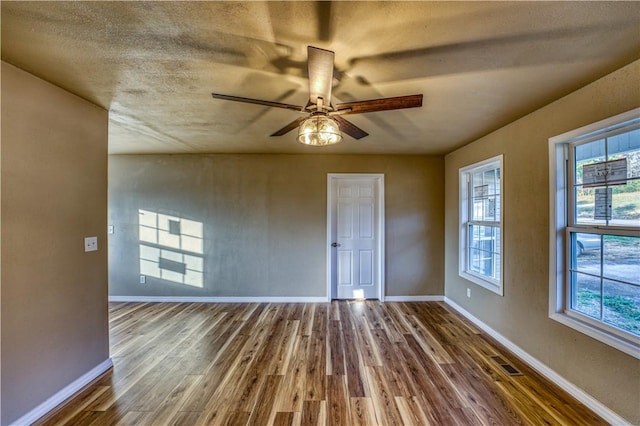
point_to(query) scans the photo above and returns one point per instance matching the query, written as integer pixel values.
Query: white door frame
(378, 179)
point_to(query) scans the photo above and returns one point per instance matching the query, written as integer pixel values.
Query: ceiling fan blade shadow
(350, 88)
(320, 65)
(289, 127)
(323, 10)
(518, 50)
(297, 108)
(382, 104)
(350, 128)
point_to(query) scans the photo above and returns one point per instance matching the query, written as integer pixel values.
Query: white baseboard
(238, 299)
(414, 298)
(222, 299)
(599, 408)
(64, 394)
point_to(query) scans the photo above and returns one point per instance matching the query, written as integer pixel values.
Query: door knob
(335, 245)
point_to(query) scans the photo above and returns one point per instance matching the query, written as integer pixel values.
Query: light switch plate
(110, 229)
(91, 243)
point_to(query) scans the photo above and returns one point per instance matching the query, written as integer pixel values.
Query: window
(481, 224)
(595, 230)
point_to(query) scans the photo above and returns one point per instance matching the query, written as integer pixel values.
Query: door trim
(378, 179)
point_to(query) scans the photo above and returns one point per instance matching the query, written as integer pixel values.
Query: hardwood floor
(344, 363)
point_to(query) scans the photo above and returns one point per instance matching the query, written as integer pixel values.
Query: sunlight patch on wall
(171, 248)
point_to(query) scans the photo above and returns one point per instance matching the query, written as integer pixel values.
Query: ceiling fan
(323, 122)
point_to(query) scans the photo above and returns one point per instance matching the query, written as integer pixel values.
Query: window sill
(618, 343)
(489, 285)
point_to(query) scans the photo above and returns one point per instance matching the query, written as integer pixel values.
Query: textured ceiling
(153, 65)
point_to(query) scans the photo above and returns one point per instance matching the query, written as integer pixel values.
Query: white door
(356, 236)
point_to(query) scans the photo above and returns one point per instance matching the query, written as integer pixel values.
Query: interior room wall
(54, 193)
(264, 221)
(521, 315)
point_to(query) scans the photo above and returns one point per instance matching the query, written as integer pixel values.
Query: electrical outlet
(91, 243)
(469, 293)
(143, 279)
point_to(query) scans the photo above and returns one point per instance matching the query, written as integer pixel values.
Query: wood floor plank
(321, 364)
(386, 410)
(283, 418)
(320, 317)
(134, 418)
(411, 412)
(392, 327)
(144, 362)
(171, 404)
(237, 418)
(306, 321)
(205, 333)
(337, 400)
(315, 378)
(394, 373)
(263, 412)
(311, 413)
(353, 364)
(215, 375)
(368, 351)
(396, 315)
(284, 352)
(336, 349)
(428, 378)
(362, 412)
(185, 418)
(293, 387)
(73, 407)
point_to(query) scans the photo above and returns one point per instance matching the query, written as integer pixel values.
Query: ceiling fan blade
(383, 104)
(258, 102)
(350, 128)
(320, 65)
(289, 127)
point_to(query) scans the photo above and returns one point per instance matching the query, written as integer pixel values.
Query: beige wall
(265, 218)
(521, 315)
(54, 193)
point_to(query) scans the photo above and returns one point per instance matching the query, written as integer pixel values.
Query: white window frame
(490, 284)
(559, 244)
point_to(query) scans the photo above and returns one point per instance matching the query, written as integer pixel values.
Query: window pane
(626, 145)
(585, 294)
(484, 243)
(622, 258)
(486, 195)
(625, 203)
(487, 209)
(474, 261)
(622, 306)
(478, 209)
(588, 153)
(585, 207)
(587, 251)
(625, 197)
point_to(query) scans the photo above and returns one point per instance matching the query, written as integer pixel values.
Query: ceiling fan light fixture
(319, 130)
